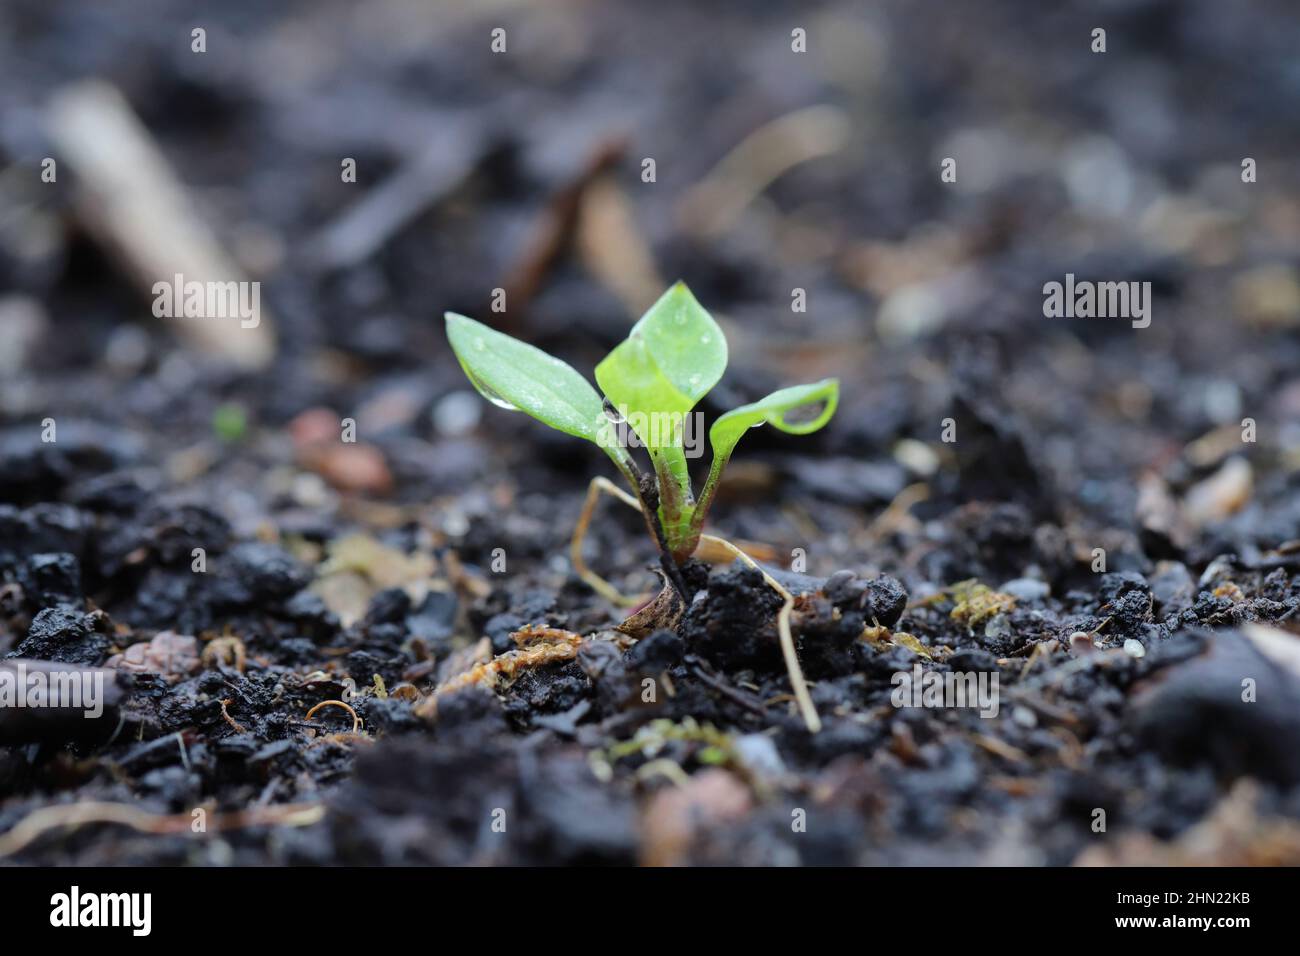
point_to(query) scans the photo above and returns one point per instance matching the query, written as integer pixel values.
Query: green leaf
(636, 385)
(515, 375)
(775, 409)
(726, 431)
(670, 360)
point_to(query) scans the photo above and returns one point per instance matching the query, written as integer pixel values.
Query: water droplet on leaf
(489, 393)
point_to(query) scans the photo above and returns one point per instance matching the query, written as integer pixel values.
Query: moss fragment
(976, 603)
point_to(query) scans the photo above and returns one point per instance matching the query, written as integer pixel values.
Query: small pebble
(917, 457)
(1026, 590)
(759, 756)
(998, 626)
(127, 351)
(455, 524)
(22, 324)
(457, 413)
(309, 490)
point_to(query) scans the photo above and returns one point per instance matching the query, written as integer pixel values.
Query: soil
(1134, 543)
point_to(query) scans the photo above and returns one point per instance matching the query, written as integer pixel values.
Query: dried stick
(39, 822)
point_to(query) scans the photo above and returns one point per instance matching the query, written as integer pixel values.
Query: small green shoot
(651, 381)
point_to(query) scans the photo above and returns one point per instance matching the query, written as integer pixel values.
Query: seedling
(651, 381)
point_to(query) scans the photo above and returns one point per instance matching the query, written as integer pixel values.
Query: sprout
(651, 381)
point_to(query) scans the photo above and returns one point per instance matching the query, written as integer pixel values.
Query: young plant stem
(707, 493)
(676, 500)
(648, 492)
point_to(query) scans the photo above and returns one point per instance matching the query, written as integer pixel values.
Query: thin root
(236, 725)
(356, 721)
(707, 551)
(589, 577)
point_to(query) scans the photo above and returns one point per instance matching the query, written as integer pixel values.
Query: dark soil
(371, 573)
